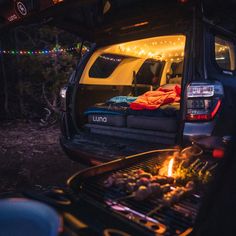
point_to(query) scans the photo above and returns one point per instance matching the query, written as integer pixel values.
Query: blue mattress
(119, 115)
(108, 115)
(109, 109)
(116, 112)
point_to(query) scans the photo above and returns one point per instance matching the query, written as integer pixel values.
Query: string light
(168, 47)
(110, 58)
(41, 52)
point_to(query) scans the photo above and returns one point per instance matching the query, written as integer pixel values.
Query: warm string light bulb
(172, 49)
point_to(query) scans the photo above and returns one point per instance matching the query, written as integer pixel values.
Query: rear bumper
(203, 134)
(194, 130)
(76, 154)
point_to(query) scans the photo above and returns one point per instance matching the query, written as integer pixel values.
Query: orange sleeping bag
(154, 99)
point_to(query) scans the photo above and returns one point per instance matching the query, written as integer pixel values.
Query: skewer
(124, 197)
(155, 210)
(213, 167)
(192, 154)
(200, 172)
(196, 167)
(194, 164)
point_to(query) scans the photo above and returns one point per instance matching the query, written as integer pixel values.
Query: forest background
(30, 75)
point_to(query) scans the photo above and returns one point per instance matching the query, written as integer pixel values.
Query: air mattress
(107, 115)
(164, 124)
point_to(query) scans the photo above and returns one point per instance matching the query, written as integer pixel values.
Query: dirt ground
(31, 155)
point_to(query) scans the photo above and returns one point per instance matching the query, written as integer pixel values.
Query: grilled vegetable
(176, 194)
(155, 188)
(146, 175)
(130, 187)
(143, 181)
(138, 171)
(142, 193)
(165, 188)
(109, 182)
(198, 171)
(161, 179)
(131, 179)
(120, 183)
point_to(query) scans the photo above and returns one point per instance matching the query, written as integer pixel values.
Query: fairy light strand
(41, 52)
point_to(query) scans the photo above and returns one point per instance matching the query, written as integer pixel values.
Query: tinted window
(150, 72)
(105, 65)
(224, 53)
(177, 69)
(176, 73)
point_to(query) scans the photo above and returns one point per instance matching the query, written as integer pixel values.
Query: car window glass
(224, 53)
(104, 65)
(150, 72)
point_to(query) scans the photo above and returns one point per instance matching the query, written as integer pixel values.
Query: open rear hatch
(95, 20)
(99, 20)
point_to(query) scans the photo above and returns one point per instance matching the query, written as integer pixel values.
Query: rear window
(224, 53)
(104, 65)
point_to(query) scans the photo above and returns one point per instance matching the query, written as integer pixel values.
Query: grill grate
(177, 218)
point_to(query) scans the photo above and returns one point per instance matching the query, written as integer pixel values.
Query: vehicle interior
(133, 90)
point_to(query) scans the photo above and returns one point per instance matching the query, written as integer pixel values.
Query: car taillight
(218, 153)
(200, 91)
(203, 101)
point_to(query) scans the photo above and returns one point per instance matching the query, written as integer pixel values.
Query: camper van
(157, 75)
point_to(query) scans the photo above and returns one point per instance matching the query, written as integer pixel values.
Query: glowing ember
(170, 168)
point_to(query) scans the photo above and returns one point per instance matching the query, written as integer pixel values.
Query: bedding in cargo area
(116, 112)
(154, 123)
(169, 110)
(106, 119)
(152, 100)
(104, 114)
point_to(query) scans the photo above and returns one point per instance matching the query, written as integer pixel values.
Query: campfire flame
(170, 167)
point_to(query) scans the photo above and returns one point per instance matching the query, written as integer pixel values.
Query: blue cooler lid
(23, 217)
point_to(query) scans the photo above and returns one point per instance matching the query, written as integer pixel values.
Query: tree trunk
(19, 79)
(55, 99)
(52, 106)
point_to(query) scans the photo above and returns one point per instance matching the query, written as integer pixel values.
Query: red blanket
(154, 99)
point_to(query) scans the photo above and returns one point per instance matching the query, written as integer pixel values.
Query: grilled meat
(176, 194)
(161, 179)
(142, 193)
(141, 185)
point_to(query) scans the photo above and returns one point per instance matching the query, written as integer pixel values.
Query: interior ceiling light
(160, 48)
